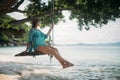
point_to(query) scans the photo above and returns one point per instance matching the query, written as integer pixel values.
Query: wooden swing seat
(35, 53)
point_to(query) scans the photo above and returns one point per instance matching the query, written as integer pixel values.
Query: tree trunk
(6, 5)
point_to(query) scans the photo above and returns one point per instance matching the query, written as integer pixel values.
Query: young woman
(36, 41)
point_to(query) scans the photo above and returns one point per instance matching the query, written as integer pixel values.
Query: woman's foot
(67, 64)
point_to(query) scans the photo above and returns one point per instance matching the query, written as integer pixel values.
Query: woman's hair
(34, 22)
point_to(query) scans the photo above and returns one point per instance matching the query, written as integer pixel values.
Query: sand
(9, 77)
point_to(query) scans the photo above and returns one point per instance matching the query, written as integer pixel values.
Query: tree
(9, 33)
(87, 12)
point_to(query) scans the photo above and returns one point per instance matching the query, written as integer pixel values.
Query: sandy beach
(8, 77)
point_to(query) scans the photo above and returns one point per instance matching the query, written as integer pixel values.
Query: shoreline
(8, 77)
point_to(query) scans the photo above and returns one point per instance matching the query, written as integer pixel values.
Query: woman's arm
(49, 30)
(27, 46)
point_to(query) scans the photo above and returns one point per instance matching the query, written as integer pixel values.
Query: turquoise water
(91, 63)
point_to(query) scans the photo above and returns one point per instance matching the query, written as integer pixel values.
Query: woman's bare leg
(53, 51)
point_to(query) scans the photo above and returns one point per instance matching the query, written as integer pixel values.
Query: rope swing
(51, 38)
(53, 21)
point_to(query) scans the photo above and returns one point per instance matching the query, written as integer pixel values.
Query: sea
(90, 63)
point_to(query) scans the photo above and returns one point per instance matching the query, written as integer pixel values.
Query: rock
(10, 44)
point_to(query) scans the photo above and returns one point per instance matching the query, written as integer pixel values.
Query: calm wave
(91, 63)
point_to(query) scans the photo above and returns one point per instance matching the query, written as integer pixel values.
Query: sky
(68, 32)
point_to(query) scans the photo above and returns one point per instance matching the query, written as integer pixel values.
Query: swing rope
(53, 21)
(51, 38)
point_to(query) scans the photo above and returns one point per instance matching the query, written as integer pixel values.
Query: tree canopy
(87, 12)
(9, 33)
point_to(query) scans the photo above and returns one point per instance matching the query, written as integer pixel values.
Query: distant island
(101, 44)
(95, 44)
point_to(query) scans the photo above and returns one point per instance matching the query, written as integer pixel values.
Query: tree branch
(21, 11)
(18, 22)
(5, 6)
(15, 8)
(18, 4)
